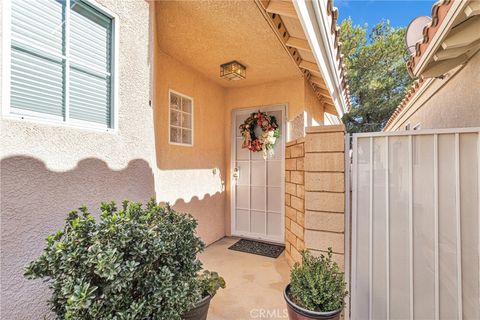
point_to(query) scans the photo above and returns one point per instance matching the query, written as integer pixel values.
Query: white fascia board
(315, 22)
(331, 119)
(441, 34)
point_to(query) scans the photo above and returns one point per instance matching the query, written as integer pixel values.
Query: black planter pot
(199, 311)
(295, 312)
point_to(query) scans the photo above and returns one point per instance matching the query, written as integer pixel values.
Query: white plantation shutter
(42, 51)
(90, 56)
(36, 58)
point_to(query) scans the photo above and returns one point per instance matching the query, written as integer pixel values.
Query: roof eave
(434, 34)
(314, 19)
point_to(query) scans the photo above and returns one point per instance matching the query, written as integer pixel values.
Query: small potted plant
(208, 284)
(317, 289)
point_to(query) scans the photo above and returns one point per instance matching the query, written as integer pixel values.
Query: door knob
(236, 173)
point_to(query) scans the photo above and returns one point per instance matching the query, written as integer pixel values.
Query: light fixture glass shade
(233, 70)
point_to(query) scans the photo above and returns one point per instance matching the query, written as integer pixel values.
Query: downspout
(314, 19)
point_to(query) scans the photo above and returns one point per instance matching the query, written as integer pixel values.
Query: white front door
(258, 188)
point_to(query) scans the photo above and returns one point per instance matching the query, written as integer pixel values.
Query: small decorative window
(181, 119)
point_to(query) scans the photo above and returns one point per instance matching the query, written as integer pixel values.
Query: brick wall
(315, 193)
(294, 200)
(325, 190)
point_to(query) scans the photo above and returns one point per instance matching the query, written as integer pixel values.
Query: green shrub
(317, 284)
(134, 263)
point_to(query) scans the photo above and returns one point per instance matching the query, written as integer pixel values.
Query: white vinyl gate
(415, 225)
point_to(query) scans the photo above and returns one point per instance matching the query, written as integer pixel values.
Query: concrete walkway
(254, 283)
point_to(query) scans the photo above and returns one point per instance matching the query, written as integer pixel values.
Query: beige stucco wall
(453, 102)
(47, 170)
(187, 175)
(313, 107)
(282, 91)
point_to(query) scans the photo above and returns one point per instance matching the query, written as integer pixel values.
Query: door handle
(236, 173)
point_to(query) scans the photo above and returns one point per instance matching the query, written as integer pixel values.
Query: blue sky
(400, 13)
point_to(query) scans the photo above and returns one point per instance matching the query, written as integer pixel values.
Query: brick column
(325, 190)
(315, 193)
(294, 200)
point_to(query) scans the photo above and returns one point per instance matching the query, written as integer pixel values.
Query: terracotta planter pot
(199, 311)
(295, 312)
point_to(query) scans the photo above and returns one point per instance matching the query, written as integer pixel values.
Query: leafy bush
(134, 263)
(317, 284)
(209, 283)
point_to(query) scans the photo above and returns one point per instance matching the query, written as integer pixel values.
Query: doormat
(258, 248)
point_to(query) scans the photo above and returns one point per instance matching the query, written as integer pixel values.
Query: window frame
(66, 121)
(170, 91)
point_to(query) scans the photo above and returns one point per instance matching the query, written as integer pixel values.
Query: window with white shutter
(62, 61)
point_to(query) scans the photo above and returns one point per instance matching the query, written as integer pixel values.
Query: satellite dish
(415, 32)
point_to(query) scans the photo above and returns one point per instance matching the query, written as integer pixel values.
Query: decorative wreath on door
(260, 132)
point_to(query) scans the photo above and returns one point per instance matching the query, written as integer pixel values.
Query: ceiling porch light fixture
(233, 70)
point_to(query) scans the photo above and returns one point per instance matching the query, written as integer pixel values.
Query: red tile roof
(439, 11)
(410, 94)
(335, 30)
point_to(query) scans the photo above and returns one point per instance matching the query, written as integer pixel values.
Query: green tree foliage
(377, 73)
